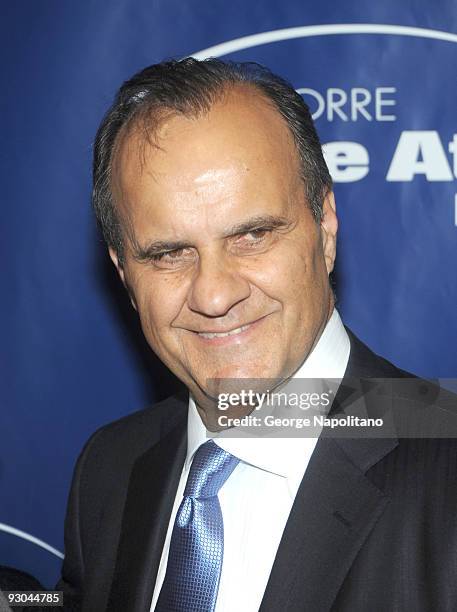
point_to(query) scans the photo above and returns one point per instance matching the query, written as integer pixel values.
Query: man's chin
(235, 382)
(210, 409)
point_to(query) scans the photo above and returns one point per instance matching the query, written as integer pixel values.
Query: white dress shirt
(257, 497)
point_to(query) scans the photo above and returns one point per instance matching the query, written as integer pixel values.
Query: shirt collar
(282, 456)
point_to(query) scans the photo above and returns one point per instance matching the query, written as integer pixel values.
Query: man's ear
(120, 270)
(117, 264)
(329, 228)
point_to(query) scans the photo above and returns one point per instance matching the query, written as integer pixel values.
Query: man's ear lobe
(329, 229)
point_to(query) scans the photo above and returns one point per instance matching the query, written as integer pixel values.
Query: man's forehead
(214, 170)
(242, 119)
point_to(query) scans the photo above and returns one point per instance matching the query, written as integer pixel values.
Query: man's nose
(216, 287)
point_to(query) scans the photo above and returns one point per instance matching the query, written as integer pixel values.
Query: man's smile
(233, 332)
(233, 335)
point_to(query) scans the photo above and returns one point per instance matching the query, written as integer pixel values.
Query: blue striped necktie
(197, 541)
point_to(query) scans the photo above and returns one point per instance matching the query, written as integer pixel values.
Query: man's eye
(255, 236)
(258, 234)
(170, 258)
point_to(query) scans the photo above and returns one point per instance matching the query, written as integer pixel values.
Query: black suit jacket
(373, 526)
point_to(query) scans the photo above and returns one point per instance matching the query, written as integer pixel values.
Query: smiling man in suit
(217, 208)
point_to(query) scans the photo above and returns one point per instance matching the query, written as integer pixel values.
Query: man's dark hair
(190, 87)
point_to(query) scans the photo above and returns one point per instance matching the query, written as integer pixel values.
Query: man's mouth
(232, 332)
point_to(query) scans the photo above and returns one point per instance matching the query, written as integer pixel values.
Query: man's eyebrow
(257, 222)
(144, 253)
(156, 247)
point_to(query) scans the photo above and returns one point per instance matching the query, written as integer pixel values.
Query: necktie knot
(211, 467)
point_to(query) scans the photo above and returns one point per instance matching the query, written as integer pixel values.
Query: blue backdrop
(381, 81)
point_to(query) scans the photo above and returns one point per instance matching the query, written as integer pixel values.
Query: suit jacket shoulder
(363, 362)
(98, 491)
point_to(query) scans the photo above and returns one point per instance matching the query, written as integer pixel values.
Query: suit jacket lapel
(335, 509)
(152, 489)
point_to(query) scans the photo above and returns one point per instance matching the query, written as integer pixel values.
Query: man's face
(224, 261)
